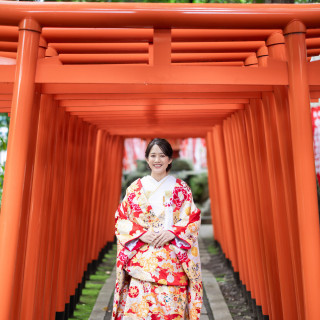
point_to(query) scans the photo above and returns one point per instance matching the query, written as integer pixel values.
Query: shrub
(181, 164)
(132, 176)
(199, 187)
(142, 166)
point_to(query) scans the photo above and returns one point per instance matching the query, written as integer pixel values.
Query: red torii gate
(81, 76)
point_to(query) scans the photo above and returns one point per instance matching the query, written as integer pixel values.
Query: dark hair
(165, 147)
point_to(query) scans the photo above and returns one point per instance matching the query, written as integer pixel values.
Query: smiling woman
(159, 157)
(158, 263)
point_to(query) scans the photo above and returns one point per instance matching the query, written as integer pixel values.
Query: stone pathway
(214, 305)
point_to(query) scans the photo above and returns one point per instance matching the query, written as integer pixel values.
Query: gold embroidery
(168, 193)
(163, 281)
(194, 251)
(150, 193)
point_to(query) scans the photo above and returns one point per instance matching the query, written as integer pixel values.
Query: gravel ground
(235, 300)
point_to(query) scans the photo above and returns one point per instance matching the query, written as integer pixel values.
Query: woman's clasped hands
(157, 239)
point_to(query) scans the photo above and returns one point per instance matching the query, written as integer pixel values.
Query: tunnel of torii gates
(78, 78)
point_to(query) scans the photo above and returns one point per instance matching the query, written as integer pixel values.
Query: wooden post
(62, 284)
(18, 144)
(304, 167)
(276, 46)
(224, 191)
(213, 196)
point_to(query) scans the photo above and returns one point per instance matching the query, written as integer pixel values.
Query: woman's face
(158, 161)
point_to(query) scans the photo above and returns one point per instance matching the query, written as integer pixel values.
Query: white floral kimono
(158, 283)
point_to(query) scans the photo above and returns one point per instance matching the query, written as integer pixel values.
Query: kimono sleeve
(186, 229)
(127, 231)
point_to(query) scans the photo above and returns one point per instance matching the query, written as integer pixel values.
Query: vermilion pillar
(246, 196)
(61, 281)
(47, 216)
(279, 210)
(38, 214)
(241, 209)
(215, 207)
(220, 227)
(24, 222)
(272, 304)
(210, 179)
(18, 144)
(89, 193)
(304, 168)
(234, 190)
(224, 192)
(263, 298)
(94, 202)
(113, 190)
(58, 193)
(276, 46)
(251, 199)
(59, 160)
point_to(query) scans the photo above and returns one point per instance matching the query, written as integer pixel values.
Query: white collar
(153, 180)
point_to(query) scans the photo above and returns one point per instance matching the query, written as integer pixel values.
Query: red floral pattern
(133, 292)
(180, 195)
(122, 258)
(183, 257)
(176, 263)
(134, 206)
(149, 301)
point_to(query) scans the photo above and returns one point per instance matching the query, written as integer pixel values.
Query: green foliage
(4, 128)
(94, 285)
(184, 175)
(130, 177)
(318, 194)
(199, 187)
(166, 1)
(142, 166)
(196, 1)
(181, 164)
(306, 1)
(220, 277)
(212, 249)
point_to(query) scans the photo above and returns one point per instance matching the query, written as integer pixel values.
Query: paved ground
(214, 306)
